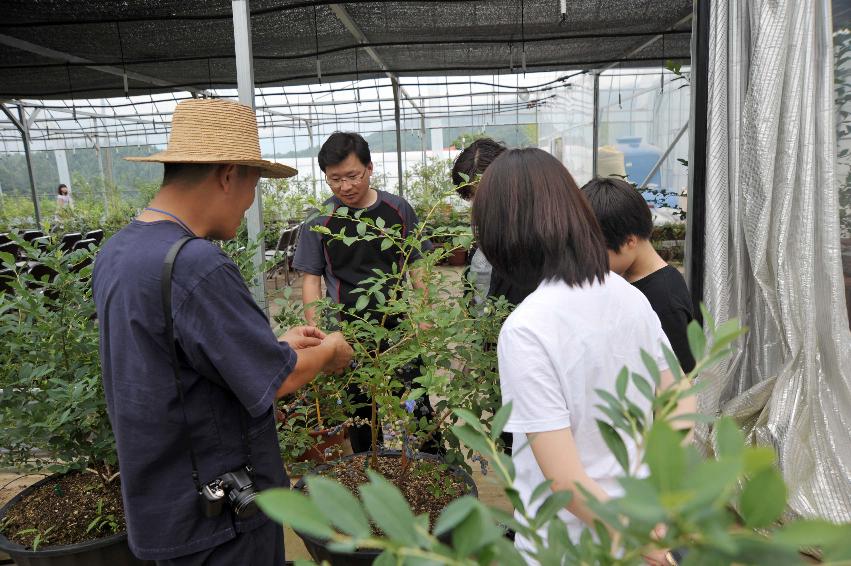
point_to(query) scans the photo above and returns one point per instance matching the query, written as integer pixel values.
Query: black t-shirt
(668, 295)
(345, 267)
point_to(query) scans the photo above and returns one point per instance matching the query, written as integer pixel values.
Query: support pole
(423, 137)
(25, 134)
(62, 166)
(245, 85)
(695, 252)
(398, 134)
(595, 135)
(663, 157)
(22, 124)
(313, 157)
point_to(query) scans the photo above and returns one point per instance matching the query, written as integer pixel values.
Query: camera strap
(165, 288)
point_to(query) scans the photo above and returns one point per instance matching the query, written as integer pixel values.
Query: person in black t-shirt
(346, 161)
(627, 224)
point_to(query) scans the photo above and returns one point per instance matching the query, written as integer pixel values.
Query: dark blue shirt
(231, 366)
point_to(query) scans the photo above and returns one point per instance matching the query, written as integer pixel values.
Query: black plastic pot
(109, 551)
(318, 548)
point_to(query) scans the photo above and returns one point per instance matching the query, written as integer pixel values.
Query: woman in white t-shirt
(572, 335)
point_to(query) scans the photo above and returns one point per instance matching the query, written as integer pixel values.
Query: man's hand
(300, 337)
(342, 355)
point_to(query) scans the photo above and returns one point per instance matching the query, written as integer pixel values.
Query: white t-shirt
(558, 346)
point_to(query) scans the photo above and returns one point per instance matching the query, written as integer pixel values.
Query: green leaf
(472, 438)
(665, 456)
(361, 228)
(361, 303)
(514, 497)
(730, 442)
(696, 340)
(379, 222)
(386, 558)
(615, 443)
(388, 509)
(834, 540)
(294, 509)
(540, 490)
(469, 418)
(673, 363)
(652, 367)
(337, 503)
(763, 499)
(475, 531)
(386, 243)
(499, 421)
(758, 458)
(640, 500)
(644, 386)
(621, 382)
(343, 211)
(554, 503)
(454, 513)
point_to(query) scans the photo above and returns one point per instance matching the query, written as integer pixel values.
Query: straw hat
(213, 130)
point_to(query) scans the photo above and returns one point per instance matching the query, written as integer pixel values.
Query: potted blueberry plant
(53, 415)
(438, 333)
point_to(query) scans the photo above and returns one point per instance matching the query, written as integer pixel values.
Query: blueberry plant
(52, 409)
(724, 509)
(415, 316)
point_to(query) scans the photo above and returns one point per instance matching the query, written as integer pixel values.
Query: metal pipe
(695, 251)
(595, 127)
(398, 135)
(664, 156)
(25, 134)
(245, 84)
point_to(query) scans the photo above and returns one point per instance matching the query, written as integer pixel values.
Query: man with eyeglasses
(346, 161)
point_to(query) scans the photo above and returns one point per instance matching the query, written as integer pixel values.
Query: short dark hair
(187, 172)
(339, 146)
(473, 161)
(59, 188)
(534, 224)
(620, 209)
(190, 173)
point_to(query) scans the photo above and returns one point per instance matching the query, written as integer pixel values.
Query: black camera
(237, 487)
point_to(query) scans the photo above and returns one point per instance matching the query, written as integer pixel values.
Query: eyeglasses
(351, 179)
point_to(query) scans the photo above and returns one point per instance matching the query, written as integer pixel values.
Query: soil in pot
(64, 511)
(428, 485)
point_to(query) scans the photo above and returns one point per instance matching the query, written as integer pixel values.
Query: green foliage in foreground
(692, 497)
(52, 409)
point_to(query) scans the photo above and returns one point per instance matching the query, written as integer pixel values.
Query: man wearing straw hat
(190, 387)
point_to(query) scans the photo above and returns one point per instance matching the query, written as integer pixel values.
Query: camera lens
(243, 503)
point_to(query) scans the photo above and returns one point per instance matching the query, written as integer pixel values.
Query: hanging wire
(123, 66)
(316, 38)
(523, 34)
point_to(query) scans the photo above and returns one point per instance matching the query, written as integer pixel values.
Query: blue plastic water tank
(639, 159)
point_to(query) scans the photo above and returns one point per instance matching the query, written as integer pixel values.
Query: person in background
(63, 197)
(347, 163)
(627, 225)
(472, 163)
(570, 337)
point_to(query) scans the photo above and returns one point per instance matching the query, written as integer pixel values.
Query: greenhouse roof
(67, 49)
